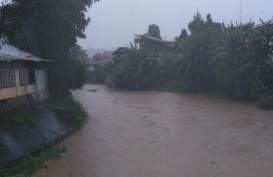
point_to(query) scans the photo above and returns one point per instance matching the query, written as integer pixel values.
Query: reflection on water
(158, 134)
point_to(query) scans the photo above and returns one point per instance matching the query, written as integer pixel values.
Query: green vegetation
(154, 31)
(265, 101)
(19, 116)
(233, 61)
(135, 70)
(70, 104)
(49, 29)
(31, 163)
(143, 68)
(175, 86)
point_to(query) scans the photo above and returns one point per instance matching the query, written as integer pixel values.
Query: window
(24, 76)
(7, 77)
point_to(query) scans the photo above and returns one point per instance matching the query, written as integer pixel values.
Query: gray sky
(113, 22)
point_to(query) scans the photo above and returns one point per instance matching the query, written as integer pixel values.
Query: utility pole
(241, 12)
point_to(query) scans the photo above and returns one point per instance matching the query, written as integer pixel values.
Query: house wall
(37, 90)
(6, 93)
(17, 90)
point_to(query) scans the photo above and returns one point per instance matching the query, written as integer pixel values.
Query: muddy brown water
(159, 134)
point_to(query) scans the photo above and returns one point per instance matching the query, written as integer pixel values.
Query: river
(160, 134)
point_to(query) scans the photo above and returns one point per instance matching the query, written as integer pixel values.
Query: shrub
(265, 101)
(175, 86)
(32, 163)
(19, 116)
(72, 105)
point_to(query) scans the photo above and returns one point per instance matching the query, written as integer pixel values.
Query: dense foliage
(194, 52)
(154, 31)
(50, 29)
(235, 61)
(135, 70)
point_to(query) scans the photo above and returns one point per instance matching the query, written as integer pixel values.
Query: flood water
(160, 134)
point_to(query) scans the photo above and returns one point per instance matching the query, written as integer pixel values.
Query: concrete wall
(41, 84)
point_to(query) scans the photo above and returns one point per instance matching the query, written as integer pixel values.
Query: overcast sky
(113, 22)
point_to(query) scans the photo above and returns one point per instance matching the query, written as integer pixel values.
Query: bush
(19, 116)
(32, 163)
(175, 86)
(72, 105)
(265, 101)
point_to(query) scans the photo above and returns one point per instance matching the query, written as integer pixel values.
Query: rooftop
(270, 22)
(10, 53)
(152, 38)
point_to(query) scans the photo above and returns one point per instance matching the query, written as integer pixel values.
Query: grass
(19, 116)
(265, 101)
(31, 163)
(74, 106)
(175, 86)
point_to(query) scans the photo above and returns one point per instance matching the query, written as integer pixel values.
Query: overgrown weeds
(19, 116)
(175, 86)
(265, 101)
(31, 163)
(73, 105)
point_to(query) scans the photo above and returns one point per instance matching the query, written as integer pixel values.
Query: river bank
(33, 130)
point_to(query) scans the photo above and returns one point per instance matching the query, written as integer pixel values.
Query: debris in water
(157, 138)
(184, 122)
(93, 90)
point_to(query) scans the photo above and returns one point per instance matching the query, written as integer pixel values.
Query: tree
(136, 70)
(154, 31)
(50, 30)
(194, 53)
(242, 61)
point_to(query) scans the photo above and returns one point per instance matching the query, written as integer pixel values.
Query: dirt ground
(159, 134)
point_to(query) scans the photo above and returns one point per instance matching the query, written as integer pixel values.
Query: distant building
(119, 54)
(144, 40)
(22, 74)
(95, 67)
(269, 22)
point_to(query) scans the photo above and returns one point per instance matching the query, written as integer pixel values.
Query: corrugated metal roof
(153, 38)
(270, 22)
(10, 53)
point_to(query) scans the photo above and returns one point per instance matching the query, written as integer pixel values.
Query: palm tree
(136, 70)
(242, 61)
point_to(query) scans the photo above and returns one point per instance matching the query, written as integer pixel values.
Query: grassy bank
(263, 101)
(71, 105)
(31, 163)
(174, 86)
(70, 113)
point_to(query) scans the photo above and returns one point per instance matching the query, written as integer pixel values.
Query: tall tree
(154, 31)
(49, 29)
(195, 53)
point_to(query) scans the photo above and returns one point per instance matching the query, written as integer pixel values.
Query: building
(119, 55)
(22, 74)
(145, 39)
(268, 22)
(95, 67)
